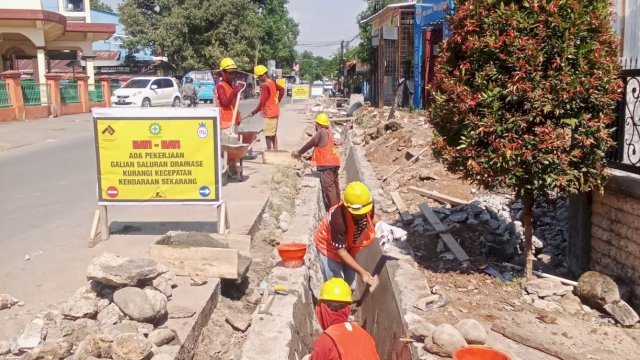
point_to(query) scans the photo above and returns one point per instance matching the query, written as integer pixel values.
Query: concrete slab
(203, 299)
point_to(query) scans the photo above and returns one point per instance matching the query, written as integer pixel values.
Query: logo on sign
(204, 191)
(155, 129)
(109, 130)
(203, 132)
(112, 192)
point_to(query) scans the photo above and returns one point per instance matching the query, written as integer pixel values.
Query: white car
(317, 88)
(146, 92)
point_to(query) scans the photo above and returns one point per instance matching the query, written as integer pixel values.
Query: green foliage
(99, 5)
(199, 33)
(279, 34)
(524, 94)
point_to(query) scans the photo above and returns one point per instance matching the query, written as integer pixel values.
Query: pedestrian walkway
(56, 239)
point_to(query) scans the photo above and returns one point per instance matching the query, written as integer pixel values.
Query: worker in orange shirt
(345, 230)
(226, 97)
(271, 94)
(341, 339)
(325, 159)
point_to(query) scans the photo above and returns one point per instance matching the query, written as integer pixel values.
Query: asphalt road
(48, 192)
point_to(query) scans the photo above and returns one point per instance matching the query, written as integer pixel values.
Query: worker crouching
(345, 230)
(341, 339)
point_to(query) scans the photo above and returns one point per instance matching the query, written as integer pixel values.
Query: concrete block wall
(615, 232)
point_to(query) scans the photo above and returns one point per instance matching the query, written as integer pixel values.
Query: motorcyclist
(190, 92)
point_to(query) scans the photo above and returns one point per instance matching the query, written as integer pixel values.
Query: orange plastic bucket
(479, 353)
(292, 254)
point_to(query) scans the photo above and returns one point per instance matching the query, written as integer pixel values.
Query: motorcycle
(189, 102)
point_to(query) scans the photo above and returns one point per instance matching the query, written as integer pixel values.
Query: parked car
(146, 92)
(317, 88)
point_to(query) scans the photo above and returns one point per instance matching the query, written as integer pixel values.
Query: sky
(321, 22)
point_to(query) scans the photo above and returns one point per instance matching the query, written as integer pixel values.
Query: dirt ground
(220, 340)
(469, 292)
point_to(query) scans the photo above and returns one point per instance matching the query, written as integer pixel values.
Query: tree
(193, 33)
(99, 5)
(524, 95)
(279, 34)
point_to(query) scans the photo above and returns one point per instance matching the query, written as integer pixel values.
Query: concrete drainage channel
(289, 327)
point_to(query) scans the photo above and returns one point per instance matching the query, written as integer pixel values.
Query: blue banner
(426, 12)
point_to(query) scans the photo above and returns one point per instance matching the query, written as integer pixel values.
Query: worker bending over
(341, 339)
(345, 230)
(271, 94)
(326, 160)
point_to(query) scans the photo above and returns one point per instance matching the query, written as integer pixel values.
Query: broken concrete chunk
(7, 301)
(164, 283)
(131, 347)
(111, 269)
(445, 341)
(597, 290)
(472, 331)
(161, 337)
(135, 303)
(546, 287)
(198, 279)
(32, 335)
(162, 357)
(622, 312)
(51, 350)
(422, 330)
(110, 315)
(5, 348)
(239, 321)
(180, 312)
(83, 304)
(158, 300)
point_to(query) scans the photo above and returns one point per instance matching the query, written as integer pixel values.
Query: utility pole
(341, 67)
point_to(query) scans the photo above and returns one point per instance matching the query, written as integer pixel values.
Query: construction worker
(326, 160)
(227, 94)
(226, 97)
(345, 230)
(271, 94)
(341, 339)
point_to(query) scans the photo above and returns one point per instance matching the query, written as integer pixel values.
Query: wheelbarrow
(235, 153)
(249, 137)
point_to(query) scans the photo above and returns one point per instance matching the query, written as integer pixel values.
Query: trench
(291, 327)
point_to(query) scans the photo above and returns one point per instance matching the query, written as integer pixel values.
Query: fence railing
(35, 94)
(626, 155)
(95, 93)
(69, 93)
(4, 95)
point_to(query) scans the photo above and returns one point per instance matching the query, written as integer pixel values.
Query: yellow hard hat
(228, 64)
(336, 289)
(260, 70)
(322, 119)
(357, 198)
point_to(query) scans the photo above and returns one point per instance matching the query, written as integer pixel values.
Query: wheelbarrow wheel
(240, 173)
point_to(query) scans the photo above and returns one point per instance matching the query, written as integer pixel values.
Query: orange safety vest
(271, 108)
(323, 235)
(352, 342)
(226, 113)
(327, 155)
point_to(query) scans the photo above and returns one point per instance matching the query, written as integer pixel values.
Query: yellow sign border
(215, 200)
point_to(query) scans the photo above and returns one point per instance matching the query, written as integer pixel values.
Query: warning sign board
(300, 92)
(151, 156)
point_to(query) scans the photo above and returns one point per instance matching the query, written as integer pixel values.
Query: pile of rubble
(121, 315)
(502, 215)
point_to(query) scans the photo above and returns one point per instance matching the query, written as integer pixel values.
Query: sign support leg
(100, 225)
(224, 225)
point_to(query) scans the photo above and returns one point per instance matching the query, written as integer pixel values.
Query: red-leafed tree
(524, 96)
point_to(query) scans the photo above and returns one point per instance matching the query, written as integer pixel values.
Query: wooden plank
(104, 223)
(277, 157)
(437, 196)
(448, 239)
(402, 208)
(211, 262)
(94, 229)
